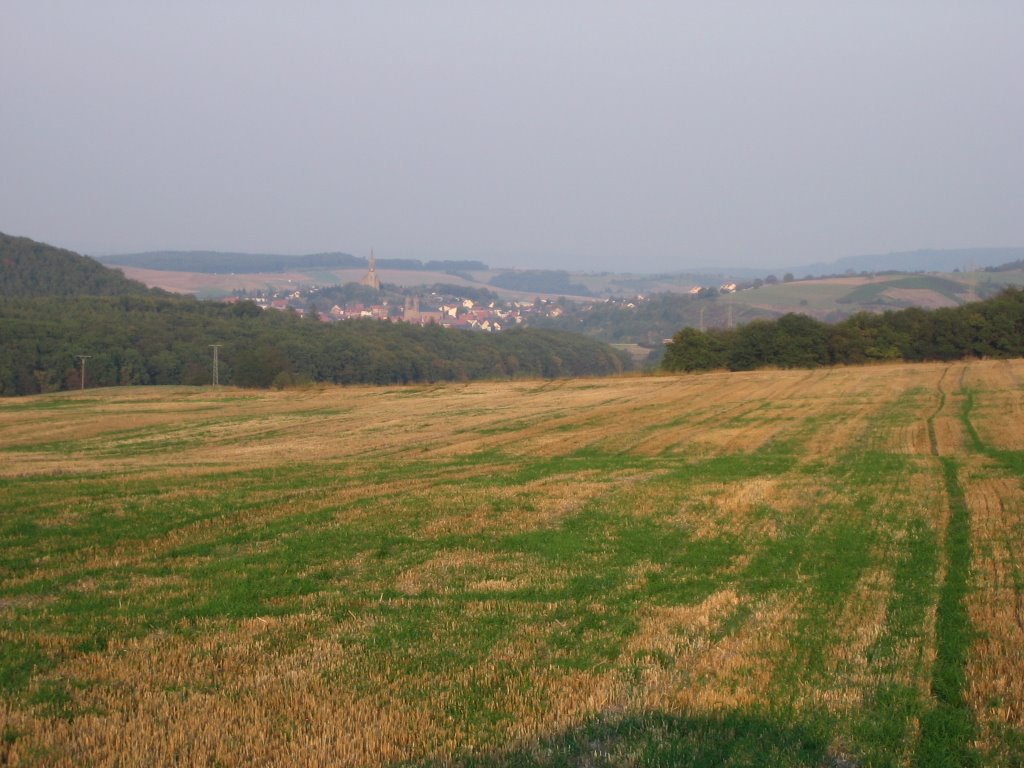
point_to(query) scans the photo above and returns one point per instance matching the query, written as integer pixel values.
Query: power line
(83, 358)
(216, 364)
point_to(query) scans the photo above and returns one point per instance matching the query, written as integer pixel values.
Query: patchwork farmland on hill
(796, 568)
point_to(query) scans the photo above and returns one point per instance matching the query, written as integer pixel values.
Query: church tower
(371, 278)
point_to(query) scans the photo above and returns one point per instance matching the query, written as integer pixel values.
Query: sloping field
(798, 568)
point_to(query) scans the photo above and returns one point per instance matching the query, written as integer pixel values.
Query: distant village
(446, 310)
(460, 313)
(449, 311)
(429, 307)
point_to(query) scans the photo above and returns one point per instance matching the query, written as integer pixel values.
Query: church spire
(371, 278)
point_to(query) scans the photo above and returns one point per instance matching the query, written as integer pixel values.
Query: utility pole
(83, 358)
(216, 372)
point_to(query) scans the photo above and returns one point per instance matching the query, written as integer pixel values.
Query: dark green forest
(153, 340)
(993, 328)
(58, 305)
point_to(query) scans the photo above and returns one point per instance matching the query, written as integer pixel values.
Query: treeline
(29, 268)
(153, 340)
(1012, 266)
(990, 328)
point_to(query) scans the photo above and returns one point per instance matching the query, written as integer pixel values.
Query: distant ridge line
(220, 262)
(921, 260)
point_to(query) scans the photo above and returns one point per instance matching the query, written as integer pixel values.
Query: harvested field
(795, 568)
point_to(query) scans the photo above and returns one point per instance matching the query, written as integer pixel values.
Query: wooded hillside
(28, 268)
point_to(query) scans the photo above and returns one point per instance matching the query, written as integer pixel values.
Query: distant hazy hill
(219, 262)
(929, 260)
(539, 281)
(28, 268)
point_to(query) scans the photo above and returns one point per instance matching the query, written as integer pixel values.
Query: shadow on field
(662, 740)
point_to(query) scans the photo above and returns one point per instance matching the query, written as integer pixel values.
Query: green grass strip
(948, 729)
(933, 439)
(965, 417)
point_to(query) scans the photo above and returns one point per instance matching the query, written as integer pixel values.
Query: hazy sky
(643, 136)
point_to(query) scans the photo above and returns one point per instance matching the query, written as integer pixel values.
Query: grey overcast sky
(578, 134)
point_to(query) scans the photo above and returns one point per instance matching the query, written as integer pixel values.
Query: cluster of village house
(461, 313)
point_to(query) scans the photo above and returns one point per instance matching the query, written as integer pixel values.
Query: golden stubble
(999, 405)
(462, 570)
(684, 663)
(312, 688)
(193, 431)
(859, 625)
(232, 696)
(995, 669)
